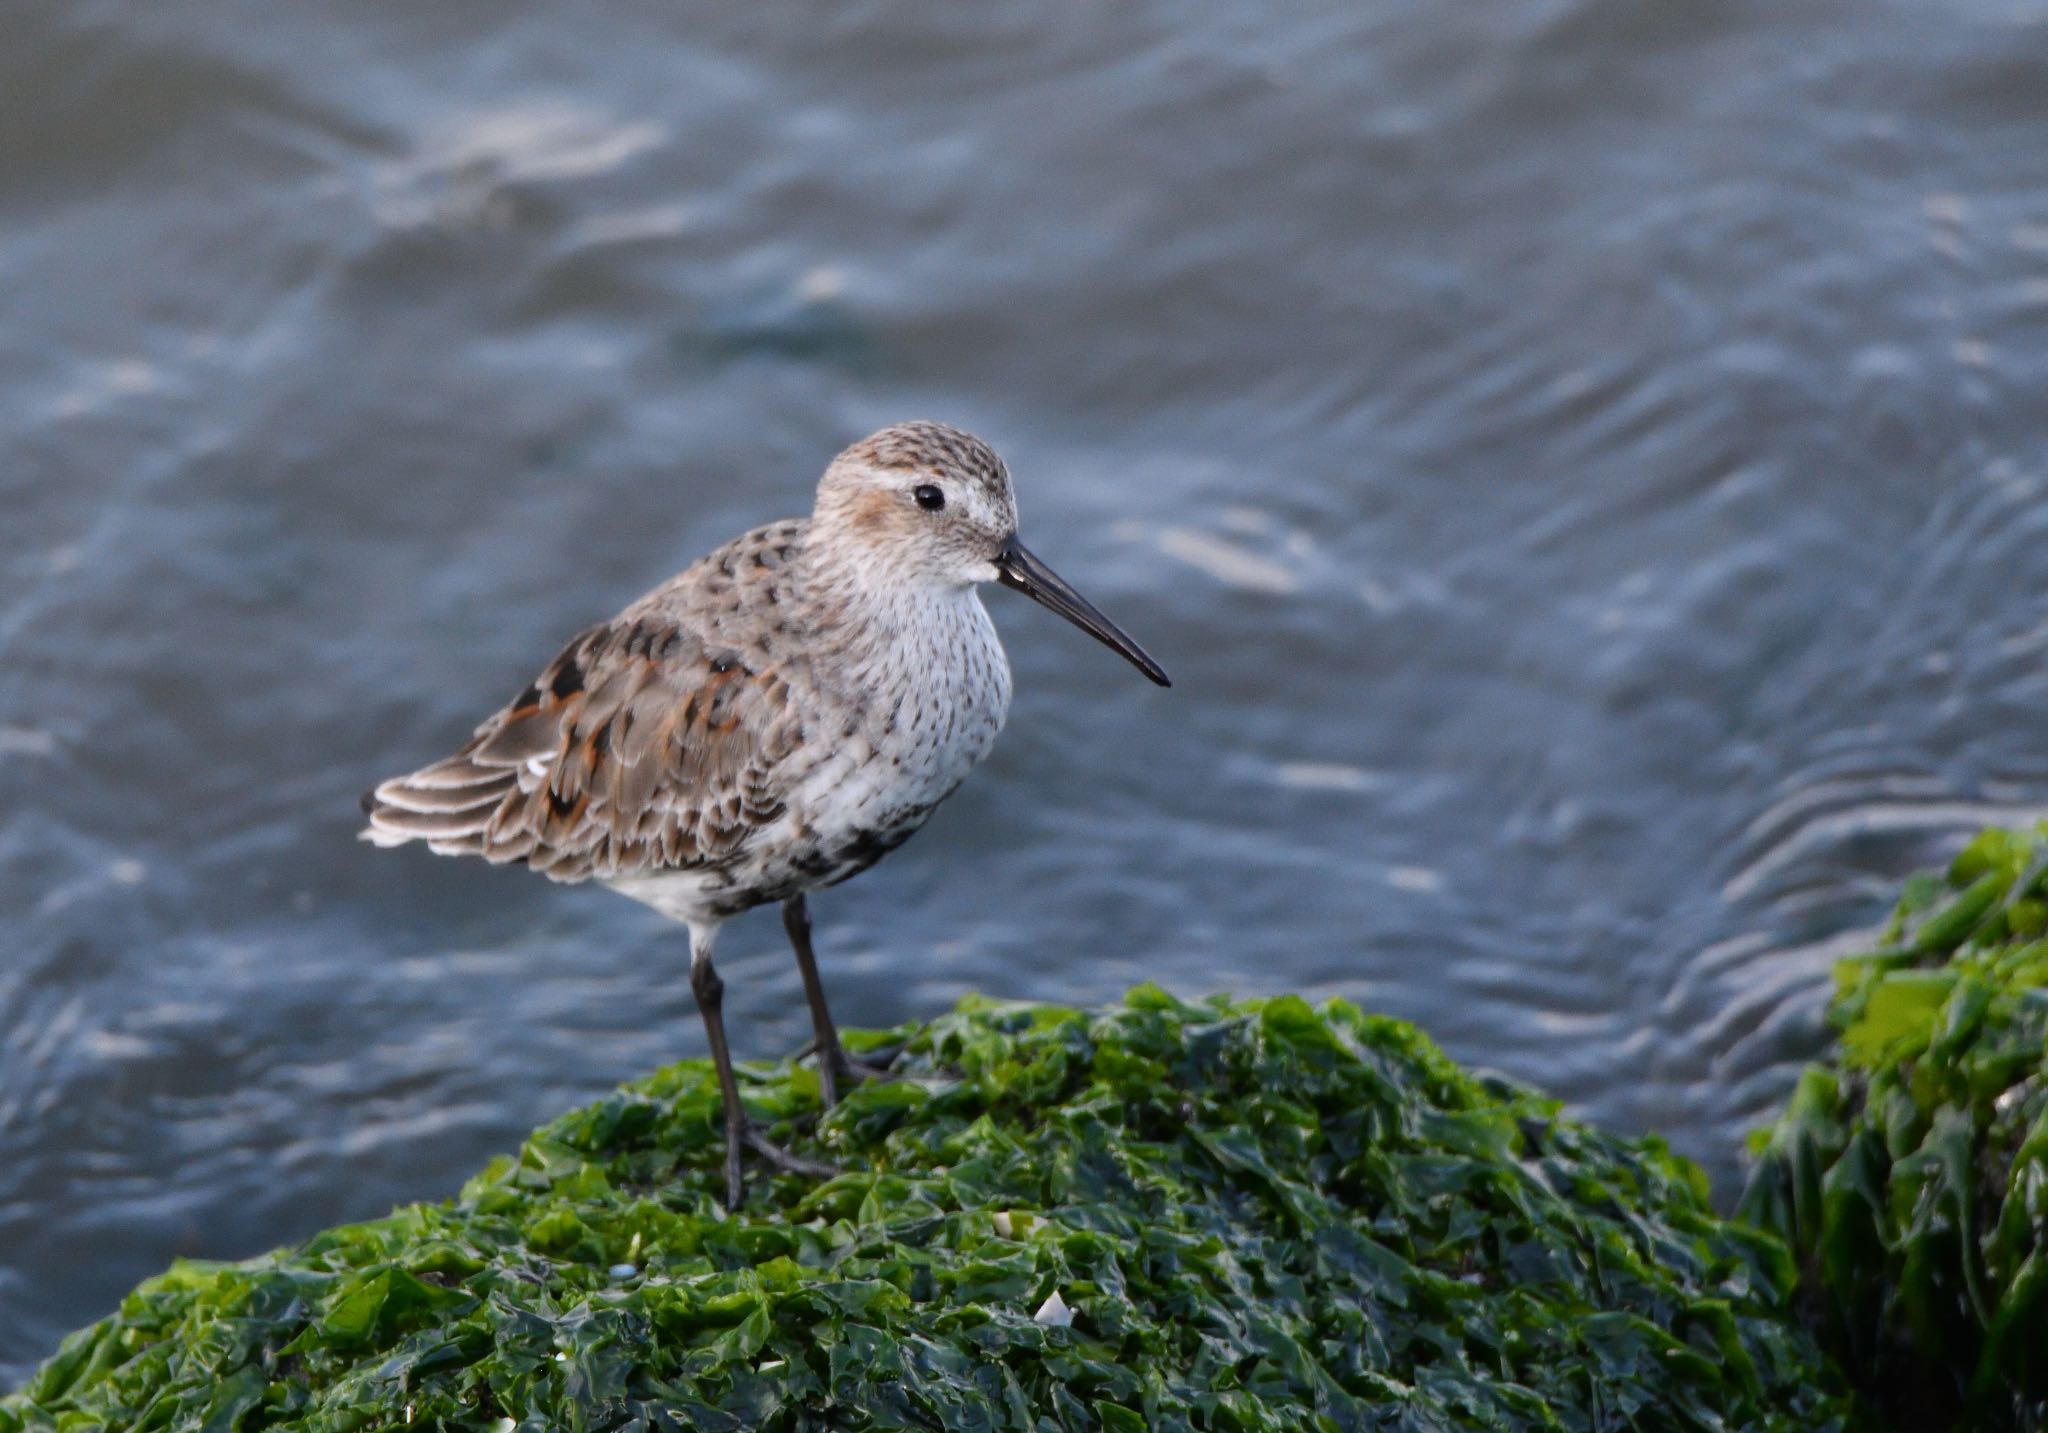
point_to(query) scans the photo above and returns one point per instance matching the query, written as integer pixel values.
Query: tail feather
(452, 773)
(439, 800)
(426, 825)
(448, 805)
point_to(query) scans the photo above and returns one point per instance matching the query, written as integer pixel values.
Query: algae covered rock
(1910, 1174)
(1211, 1216)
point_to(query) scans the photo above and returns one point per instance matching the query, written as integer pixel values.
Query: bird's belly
(851, 811)
(877, 792)
(690, 897)
(880, 798)
(888, 766)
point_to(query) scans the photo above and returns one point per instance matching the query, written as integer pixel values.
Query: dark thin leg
(796, 919)
(835, 1066)
(739, 1131)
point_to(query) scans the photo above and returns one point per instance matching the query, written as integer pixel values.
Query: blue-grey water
(1582, 461)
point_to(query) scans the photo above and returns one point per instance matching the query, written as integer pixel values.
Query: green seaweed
(1910, 1173)
(1258, 1215)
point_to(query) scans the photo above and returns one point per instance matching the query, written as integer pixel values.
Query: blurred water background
(1580, 459)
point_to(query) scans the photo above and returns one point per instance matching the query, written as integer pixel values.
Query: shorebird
(776, 718)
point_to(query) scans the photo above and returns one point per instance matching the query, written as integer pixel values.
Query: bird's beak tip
(1017, 567)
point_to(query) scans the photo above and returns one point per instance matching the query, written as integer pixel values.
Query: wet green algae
(1910, 1172)
(1261, 1215)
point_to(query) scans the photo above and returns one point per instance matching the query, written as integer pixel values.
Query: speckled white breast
(901, 720)
(915, 717)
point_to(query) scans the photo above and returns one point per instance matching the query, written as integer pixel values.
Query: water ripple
(1581, 462)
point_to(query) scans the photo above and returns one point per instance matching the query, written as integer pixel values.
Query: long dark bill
(1017, 567)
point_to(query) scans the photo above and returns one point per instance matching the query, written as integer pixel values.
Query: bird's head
(925, 504)
(922, 501)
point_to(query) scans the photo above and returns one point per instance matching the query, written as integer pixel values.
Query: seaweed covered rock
(1911, 1173)
(1213, 1216)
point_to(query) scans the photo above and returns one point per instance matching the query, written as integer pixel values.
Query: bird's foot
(743, 1136)
(838, 1071)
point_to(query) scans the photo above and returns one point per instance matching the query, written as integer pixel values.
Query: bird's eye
(930, 497)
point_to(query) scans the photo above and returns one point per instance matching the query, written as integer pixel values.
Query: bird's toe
(778, 1157)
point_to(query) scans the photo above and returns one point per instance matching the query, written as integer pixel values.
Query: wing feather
(639, 748)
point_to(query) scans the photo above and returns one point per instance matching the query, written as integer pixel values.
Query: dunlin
(777, 718)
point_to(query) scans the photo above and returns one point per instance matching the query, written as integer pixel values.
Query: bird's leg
(739, 1131)
(835, 1066)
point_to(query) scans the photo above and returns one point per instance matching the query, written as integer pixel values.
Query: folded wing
(640, 748)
